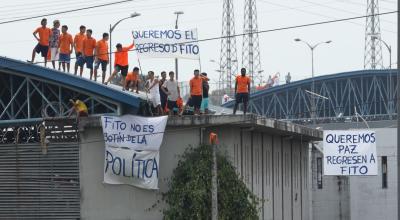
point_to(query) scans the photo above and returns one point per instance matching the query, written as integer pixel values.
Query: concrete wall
(359, 198)
(368, 199)
(274, 165)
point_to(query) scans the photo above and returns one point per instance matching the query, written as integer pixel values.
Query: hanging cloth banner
(126, 166)
(350, 153)
(134, 132)
(170, 43)
(132, 145)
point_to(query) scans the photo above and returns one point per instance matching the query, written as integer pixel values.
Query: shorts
(242, 97)
(123, 69)
(80, 60)
(204, 104)
(103, 65)
(196, 101)
(155, 99)
(163, 99)
(89, 61)
(54, 54)
(83, 114)
(65, 58)
(172, 106)
(42, 50)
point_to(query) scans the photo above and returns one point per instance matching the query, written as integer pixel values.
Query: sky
(279, 51)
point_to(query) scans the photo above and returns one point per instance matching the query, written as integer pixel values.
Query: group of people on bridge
(164, 93)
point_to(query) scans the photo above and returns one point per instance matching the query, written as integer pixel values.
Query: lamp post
(176, 27)
(388, 47)
(112, 27)
(312, 48)
(391, 98)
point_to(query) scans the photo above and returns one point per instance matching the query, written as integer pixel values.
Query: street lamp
(312, 48)
(391, 98)
(387, 46)
(112, 27)
(176, 27)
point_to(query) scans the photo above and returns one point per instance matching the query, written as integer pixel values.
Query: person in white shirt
(171, 88)
(152, 86)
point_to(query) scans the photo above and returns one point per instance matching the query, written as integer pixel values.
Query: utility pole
(398, 111)
(373, 47)
(176, 27)
(251, 47)
(214, 178)
(228, 56)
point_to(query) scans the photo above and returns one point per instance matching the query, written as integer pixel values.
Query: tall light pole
(391, 98)
(388, 47)
(176, 27)
(112, 27)
(312, 48)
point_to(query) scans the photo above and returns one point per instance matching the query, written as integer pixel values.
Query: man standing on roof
(43, 41)
(66, 47)
(121, 63)
(53, 43)
(242, 89)
(101, 56)
(152, 86)
(196, 91)
(78, 47)
(204, 101)
(89, 45)
(171, 88)
(163, 93)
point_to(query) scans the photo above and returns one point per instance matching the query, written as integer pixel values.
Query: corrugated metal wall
(39, 186)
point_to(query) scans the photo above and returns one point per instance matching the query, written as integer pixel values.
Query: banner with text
(132, 146)
(169, 43)
(350, 153)
(134, 132)
(126, 166)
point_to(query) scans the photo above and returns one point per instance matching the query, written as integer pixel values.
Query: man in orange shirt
(196, 91)
(242, 89)
(78, 47)
(89, 44)
(66, 46)
(121, 63)
(43, 41)
(101, 56)
(132, 80)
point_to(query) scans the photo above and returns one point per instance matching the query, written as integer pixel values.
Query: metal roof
(68, 80)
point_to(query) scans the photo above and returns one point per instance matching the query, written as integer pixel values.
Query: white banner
(134, 132)
(132, 146)
(126, 166)
(169, 43)
(350, 153)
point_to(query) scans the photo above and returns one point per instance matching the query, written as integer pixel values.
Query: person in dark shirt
(204, 101)
(163, 95)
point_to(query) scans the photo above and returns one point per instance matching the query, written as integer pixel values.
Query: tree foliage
(189, 195)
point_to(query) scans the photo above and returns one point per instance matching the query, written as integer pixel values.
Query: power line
(30, 11)
(64, 12)
(258, 32)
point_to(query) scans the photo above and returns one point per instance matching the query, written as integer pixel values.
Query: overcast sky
(279, 52)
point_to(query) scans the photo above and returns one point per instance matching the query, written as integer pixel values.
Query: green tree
(189, 195)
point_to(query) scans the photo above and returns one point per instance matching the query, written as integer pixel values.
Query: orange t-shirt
(196, 86)
(44, 35)
(242, 84)
(78, 42)
(65, 43)
(89, 44)
(132, 76)
(121, 58)
(102, 50)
